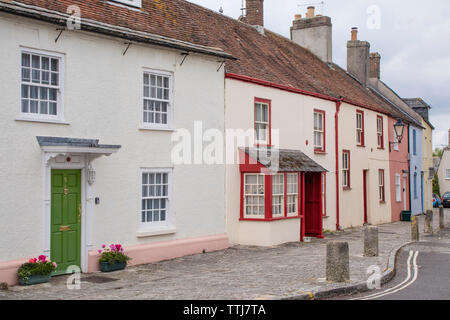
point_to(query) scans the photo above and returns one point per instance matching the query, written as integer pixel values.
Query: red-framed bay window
(380, 132)
(360, 139)
(270, 196)
(346, 169)
(319, 131)
(262, 122)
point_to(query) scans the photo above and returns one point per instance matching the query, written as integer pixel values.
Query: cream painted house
(86, 139)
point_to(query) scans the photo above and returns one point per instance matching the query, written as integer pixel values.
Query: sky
(412, 37)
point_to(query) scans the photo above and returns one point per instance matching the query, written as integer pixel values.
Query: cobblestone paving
(237, 273)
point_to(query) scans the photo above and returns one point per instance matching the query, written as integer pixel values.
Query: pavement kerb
(359, 287)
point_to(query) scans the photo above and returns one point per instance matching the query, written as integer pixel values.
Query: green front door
(65, 231)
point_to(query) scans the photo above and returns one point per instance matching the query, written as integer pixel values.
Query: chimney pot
(298, 16)
(310, 13)
(354, 34)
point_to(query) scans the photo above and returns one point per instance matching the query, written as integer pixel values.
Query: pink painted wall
(398, 161)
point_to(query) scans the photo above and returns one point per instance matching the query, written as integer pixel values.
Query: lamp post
(399, 127)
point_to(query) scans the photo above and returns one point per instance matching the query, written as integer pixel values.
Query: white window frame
(262, 123)
(318, 132)
(398, 188)
(37, 117)
(381, 186)
(346, 169)
(278, 195)
(150, 226)
(447, 174)
(170, 107)
(380, 132)
(360, 130)
(292, 194)
(255, 216)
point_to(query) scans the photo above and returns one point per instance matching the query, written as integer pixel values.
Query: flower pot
(34, 279)
(109, 267)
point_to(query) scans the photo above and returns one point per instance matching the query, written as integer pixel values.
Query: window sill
(325, 217)
(379, 148)
(143, 128)
(270, 219)
(382, 202)
(144, 233)
(347, 188)
(51, 121)
(320, 152)
(361, 145)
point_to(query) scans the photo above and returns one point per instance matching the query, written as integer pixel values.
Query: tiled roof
(269, 57)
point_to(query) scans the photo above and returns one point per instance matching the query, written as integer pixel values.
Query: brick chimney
(314, 33)
(255, 12)
(374, 65)
(358, 58)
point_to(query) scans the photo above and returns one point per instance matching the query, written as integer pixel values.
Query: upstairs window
(360, 128)
(157, 100)
(380, 132)
(381, 185)
(262, 122)
(414, 143)
(41, 89)
(346, 169)
(319, 130)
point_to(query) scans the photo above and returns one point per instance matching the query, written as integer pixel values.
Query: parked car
(436, 201)
(446, 200)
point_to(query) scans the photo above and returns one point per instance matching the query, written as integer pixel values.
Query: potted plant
(36, 270)
(113, 258)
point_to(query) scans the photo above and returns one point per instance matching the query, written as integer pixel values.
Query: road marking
(402, 285)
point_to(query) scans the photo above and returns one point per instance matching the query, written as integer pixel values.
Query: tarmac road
(423, 273)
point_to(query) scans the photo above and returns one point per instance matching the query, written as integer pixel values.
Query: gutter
(336, 129)
(61, 19)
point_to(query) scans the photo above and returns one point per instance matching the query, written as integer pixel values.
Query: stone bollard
(338, 262)
(371, 241)
(3, 286)
(429, 222)
(414, 229)
(441, 218)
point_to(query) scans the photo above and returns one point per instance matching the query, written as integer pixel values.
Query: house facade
(444, 169)
(87, 139)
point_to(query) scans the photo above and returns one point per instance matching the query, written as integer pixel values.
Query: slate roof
(289, 160)
(73, 142)
(269, 57)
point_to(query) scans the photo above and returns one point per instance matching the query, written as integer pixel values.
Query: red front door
(313, 205)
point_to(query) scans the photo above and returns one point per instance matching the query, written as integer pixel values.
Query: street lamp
(399, 127)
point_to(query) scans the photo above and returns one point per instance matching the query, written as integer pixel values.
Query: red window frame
(269, 103)
(380, 146)
(348, 187)
(381, 171)
(268, 197)
(323, 149)
(363, 142)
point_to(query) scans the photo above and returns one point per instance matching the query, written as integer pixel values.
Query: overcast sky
(413, 39)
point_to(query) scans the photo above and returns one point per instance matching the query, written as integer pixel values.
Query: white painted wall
(363, 158)
(293, 116)
(102, 99)
(444, 183)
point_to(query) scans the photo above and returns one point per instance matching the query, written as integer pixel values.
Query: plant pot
(109, 267)
(406, 216)
(35, 279)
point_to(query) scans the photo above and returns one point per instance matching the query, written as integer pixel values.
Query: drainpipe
(409, 171)
(336, 129)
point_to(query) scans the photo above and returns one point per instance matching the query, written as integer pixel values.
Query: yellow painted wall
(427, 151)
